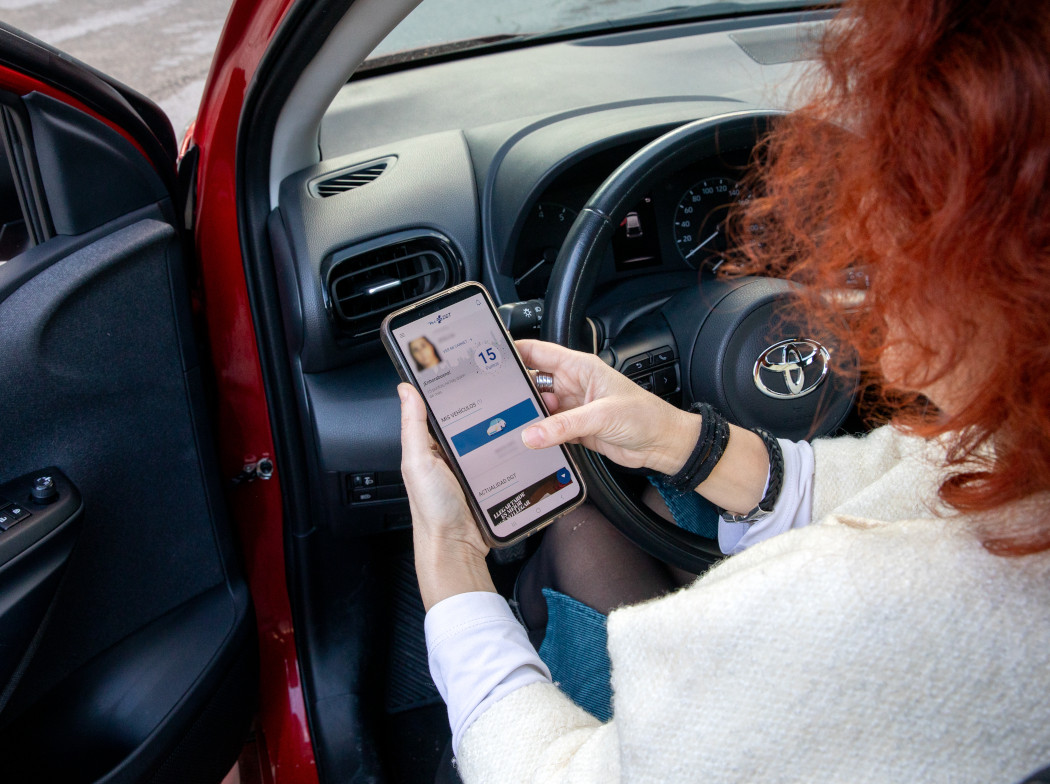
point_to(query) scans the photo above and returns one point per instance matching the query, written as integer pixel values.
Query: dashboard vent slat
(349, 179)
(362, 288)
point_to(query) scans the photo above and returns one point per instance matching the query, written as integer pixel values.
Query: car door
(127, 637)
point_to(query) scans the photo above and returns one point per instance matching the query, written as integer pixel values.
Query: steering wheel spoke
(647, 353)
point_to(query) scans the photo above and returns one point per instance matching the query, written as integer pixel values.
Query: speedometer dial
(699, 220)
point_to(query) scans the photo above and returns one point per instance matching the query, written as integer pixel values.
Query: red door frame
(244, 423)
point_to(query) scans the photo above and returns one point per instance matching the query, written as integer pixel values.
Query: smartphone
(454, 349)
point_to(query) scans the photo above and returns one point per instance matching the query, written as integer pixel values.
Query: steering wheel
(736, 343)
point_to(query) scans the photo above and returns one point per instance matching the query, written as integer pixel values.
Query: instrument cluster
(679, 224)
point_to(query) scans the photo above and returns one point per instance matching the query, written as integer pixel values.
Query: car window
(436, 23)
(162, 48)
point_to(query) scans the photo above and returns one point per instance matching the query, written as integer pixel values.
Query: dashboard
(474, 169)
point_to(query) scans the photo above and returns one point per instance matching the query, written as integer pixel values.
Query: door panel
(143, 666)
(39, 536)
(95, 383)
(108, 720)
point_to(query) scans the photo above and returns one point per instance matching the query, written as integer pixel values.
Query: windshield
(435, 24)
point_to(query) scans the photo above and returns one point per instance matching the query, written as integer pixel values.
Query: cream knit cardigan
(848, 651)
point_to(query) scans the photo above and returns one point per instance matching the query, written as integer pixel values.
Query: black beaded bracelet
(709, 448)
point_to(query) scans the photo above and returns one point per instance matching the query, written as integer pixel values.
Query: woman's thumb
(415, 438)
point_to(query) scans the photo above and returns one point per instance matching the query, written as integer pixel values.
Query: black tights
(584, 556)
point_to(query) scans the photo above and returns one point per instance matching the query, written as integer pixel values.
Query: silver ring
(544, 381)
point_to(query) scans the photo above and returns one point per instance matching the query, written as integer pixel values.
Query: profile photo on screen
(424, 353)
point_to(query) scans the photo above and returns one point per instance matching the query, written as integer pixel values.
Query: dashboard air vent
(363, 285)
(348, 179)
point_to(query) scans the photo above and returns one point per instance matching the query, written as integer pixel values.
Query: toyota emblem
(791, 368)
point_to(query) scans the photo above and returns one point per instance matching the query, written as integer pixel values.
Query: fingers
(415, 437)
(545, 356)
(563, 428)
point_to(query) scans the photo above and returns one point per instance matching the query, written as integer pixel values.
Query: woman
(904, 634)
(424, 353)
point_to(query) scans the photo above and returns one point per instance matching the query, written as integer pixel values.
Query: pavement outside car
(162, 48)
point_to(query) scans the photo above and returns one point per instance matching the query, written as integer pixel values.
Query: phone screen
(477, 392)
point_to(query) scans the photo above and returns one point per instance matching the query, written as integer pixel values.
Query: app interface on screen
(475, 388)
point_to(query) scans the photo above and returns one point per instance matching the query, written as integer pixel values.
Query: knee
(582, 525)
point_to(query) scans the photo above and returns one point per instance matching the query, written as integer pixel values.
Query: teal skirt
(576, 644)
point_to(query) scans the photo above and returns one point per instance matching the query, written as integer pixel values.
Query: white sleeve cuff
(794, 507)
(478, 654)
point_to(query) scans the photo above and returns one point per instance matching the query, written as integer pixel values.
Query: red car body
(245, 436)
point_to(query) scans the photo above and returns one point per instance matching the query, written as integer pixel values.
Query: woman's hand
(607, 412)
(595, 406)
(449, 550)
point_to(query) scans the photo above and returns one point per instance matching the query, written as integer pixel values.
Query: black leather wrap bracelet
(709, 448)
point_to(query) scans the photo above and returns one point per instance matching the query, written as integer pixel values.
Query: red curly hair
(921, 165)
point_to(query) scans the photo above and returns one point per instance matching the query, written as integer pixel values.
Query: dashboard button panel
(662, 355)
(637, 364)
(369, 487)
(645, 382)
(655, 371)
(665, 381)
